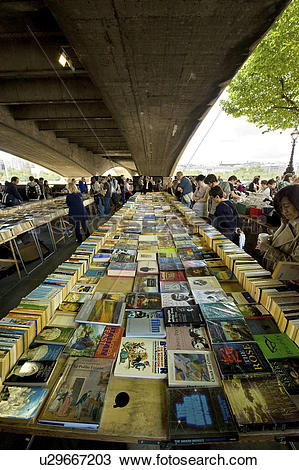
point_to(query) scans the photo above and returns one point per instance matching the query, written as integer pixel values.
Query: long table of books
(26, 218)
(157, 329)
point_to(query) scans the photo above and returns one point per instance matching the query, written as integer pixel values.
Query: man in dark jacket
(12, 197)
(186, 189)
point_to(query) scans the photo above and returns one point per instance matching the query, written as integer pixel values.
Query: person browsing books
(212, 181)
(284, 244)
(226, 218)
(11, 195)
(185, 188)
(77, 211)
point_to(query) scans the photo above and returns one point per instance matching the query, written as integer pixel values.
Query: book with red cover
(109, 343)
(172, 276)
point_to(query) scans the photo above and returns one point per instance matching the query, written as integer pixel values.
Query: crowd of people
(209, 196)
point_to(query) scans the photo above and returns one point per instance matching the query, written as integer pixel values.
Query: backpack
(32, 192)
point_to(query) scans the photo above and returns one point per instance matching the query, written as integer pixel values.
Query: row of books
(280, 299)
(188, 324)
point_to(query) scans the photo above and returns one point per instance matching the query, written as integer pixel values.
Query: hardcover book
(187, 338)
(203, 283)
(199, 415)
(260, 403)
(253, 311)
(151, 301)
(220, 311)
(178, 286)
(19, 404)
(146, 284)
(205, 296)
(197, 272)
(78, 398)
(147, 267)
(192, 369)
(145, 324)
(172, 276)
(84, 340)
(241, 359)
(222, 331)
(277, 346)
(287, 371)
(262, 326)
(142, 358)
(54, 335)
(31, 373)
(183, 316)
(146, 256)
(107, 309)
(177, 299)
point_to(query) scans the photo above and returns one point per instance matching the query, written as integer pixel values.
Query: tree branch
(286, 97)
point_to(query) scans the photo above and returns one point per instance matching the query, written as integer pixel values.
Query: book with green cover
(277, 346)
(54, 335)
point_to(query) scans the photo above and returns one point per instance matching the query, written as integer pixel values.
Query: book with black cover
(184, 316)
(287, 371)
(261, 403)
(199, 415)
(243, 359)
(31, 373)
(261, 326)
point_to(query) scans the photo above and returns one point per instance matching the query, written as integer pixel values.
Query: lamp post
(290, 167)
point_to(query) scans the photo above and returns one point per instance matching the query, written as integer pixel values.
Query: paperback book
(276, 346)
(172, 276)
(142, 358)
(183, 316)
(54, 335)
(146, 284)
(145, 324)
(31, 373)
(178, 286)
(107, 309)
(147, 267)
(187, 338)
(177, 299)
(192, 369)
(287, 371)
(21, 404)
(150, 301)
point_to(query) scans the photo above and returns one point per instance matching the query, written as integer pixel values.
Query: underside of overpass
(143, 75)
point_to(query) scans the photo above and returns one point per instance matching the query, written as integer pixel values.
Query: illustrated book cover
(187, 338)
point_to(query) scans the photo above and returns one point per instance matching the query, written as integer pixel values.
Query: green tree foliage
(266, 88)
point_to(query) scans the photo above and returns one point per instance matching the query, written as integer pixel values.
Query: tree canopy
(266, 88)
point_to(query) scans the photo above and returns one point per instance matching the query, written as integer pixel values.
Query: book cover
(42, 352)
(220, 311)
(203, 283)
(54, 335)
(170, 264)
(241, 297)
(145, 256)
(19, 404)
(77, 297)
(197, 272)
(262, 326)
(212, 421)
(192, 369)
(31, 373)
(109, 343)
(146, 284)
(187, 338)
(69, 307)
(173, 276)
(84, 340)
(276, 346)
(122, 269)
(189, 254)
(178, 286)
(176, 299)
(80, 288)
(286, 270)
(183, 316)
(147, 267)
(224, 275)
(105, 309)
(142, 358)
(287, 371)
(260, 403)
(139, 301)
(142, 324)
(252, 311)
(205, 296)
(241, 359)
(65, 319)
(123, 256)
(222, 331)
(77, 399)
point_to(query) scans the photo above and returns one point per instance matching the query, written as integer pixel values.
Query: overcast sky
(236, 140)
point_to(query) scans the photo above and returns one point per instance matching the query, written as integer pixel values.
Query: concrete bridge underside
(144, 74)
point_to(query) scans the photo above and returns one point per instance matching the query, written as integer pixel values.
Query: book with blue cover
(220, 311)
(199, 415)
